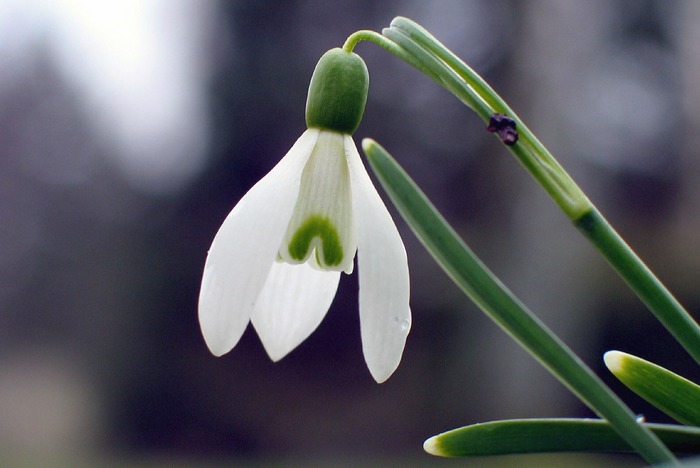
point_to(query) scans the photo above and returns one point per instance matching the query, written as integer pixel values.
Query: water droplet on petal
(402, 324)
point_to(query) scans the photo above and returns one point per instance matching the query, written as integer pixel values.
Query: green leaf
(482, 286)
(550, 435)
(674, 395)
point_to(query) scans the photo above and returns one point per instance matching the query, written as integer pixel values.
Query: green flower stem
(408, 51)
(445, 76)
(644, 283)
(472, 276)
(529, 150)
(422, 37)
(427, 53)
(389, 46)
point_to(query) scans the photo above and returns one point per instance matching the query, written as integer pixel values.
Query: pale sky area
(139, 68)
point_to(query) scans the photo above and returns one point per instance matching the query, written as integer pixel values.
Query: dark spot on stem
(505, 127)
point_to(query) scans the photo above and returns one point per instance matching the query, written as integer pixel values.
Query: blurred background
(129, 129)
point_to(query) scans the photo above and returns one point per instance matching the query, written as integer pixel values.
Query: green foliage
(477, 282)
(674, 395)
(550, 435)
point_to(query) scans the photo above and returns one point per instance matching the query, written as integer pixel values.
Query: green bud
(337, 92)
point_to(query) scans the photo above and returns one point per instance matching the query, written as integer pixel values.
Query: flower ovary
(320, 227)
(337, 92)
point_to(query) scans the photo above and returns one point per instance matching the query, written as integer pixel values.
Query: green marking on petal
(323, 228)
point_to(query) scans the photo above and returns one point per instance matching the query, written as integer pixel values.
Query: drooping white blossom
(277, 258)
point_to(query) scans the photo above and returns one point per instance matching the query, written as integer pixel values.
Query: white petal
(385, 315)
(292, 304)
(245, 247)
(322, 223)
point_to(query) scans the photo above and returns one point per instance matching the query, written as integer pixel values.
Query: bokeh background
(129, 129)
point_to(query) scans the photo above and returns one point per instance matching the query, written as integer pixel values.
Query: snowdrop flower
(277, 258)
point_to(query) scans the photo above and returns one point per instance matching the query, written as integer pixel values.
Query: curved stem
(439, 71)
(362, 35)
(389, 46)
(529, 150)
(566, 193)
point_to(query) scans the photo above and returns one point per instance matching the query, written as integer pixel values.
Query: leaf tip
(432, 446)
(368, 144)
(614, 360)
